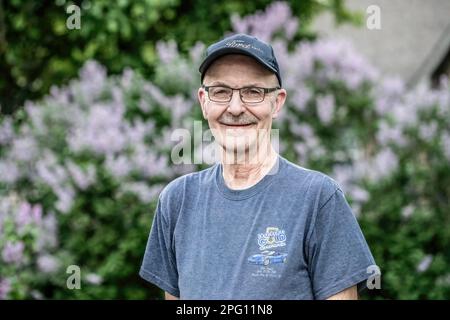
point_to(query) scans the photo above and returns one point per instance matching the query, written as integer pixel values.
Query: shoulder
(180, 185)
(316, 184)
(179, 190)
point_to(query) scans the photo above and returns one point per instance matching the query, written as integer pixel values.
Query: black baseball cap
(242, 44)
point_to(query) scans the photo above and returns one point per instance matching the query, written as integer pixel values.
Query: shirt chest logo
(272, 238)
(268, 260)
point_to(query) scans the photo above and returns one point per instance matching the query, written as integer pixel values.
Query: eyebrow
(220, 83)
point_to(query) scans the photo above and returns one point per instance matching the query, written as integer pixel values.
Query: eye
(220, 91)
(252, 92)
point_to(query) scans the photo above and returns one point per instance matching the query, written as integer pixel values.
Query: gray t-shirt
(290, 236)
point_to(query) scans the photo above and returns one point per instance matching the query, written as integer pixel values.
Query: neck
(248, 170)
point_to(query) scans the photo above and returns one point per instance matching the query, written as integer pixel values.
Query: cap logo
(241, 44)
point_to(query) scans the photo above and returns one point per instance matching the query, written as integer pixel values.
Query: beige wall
(413, 39)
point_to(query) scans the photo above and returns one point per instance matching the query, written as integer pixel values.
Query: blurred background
(91, 91)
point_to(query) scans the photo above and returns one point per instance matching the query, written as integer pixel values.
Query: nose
(235, 105)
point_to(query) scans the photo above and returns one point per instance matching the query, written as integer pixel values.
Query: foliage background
(37, 50)
(87, 146)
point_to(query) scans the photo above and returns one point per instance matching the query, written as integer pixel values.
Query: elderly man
(254, 225)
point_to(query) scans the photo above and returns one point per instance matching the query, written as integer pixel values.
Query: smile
(237, 125)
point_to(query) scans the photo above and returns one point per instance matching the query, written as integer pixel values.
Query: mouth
(237, 125)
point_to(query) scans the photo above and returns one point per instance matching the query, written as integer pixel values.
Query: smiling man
(254, 225)
(241, 123)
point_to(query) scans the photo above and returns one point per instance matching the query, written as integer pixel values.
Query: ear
(279, 102)
(201, 94)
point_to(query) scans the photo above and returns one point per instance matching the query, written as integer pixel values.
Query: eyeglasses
(223, 94)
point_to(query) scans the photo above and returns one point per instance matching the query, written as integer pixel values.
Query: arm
(347, 294)
(168, 296)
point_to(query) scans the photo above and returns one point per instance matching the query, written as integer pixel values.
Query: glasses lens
(220, 94)
(252, 95)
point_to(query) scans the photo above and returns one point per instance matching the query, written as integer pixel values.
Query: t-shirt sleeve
(338, 253)
(159, 263)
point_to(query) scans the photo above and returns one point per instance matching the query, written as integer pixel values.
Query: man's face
(236, 125)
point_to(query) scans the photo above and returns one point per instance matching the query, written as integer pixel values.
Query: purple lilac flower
(36, 213)
(358, 194)
(387, 134)
(343, 174)
(9, 171)
(422, 97)
(144, 105)
(102, 131)
(5, 288)
(93, 278)
(164, 141)
(407, 211)
(13, 252)
(145, 193)
(36, 117)
(303, 130)
(300, 98)
(196, 53)
(149, 163)
(47, 263)
(46, 174)
(167, 51)
(428, 131)
(325, 108)
(382, 105)
(382, 164)
(60, 96)
(48, 237)
(92, 80)
(6, 131)
(277, 17)
(137, 132)
(341, 61)
(304, 54)
(425, 263)
(302, 152)
(405, 115)
(126, 79)
(155, 94)
(180, 107)
(83, 178)
(119, 166)
(24, 216)
(66, 197)
(392, 87)
(24, 148)
(287, 63)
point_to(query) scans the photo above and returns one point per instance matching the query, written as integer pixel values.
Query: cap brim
(224, 51)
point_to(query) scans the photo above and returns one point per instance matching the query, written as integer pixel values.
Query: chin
(240, 151)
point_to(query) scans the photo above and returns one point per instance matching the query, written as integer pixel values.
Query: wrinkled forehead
(240, 68)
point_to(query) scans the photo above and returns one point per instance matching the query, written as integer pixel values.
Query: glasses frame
(265, 90)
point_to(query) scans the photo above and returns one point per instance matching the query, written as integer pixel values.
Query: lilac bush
(96, 132)
(28, 241)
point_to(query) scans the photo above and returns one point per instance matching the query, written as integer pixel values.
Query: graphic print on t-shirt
(272, 238)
